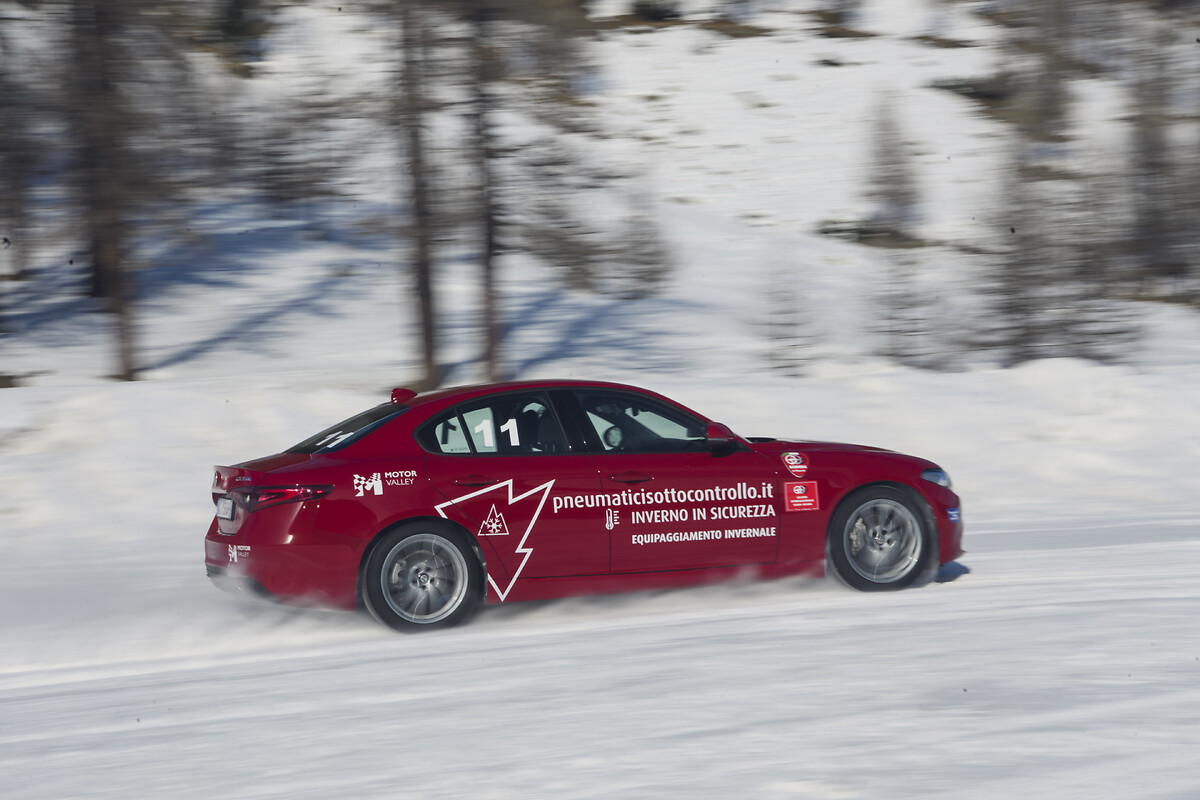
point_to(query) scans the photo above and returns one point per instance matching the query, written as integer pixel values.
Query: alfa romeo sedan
(425, 507)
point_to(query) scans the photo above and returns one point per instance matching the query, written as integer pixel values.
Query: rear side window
(447, 436)
(349, 430)
(507, 424)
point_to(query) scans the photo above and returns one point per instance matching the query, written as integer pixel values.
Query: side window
(629, 423)
(513, 424)
(449, 436)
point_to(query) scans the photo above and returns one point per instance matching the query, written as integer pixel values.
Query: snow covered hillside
(1059, 658)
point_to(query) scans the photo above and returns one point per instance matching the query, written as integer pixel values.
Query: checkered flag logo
(372, 484)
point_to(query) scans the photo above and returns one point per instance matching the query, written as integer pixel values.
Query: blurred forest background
(119, 117)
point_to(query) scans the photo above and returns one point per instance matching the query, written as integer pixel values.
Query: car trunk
(229, 480)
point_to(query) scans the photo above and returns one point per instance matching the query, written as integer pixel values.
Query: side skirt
(580, 585)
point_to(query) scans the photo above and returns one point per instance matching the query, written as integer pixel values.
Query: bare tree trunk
(17, 154)
(103, 170)
(482, 64)
(893, 185)
(1023, 276)
(15, 172)
(422, 217)
(1155, 234)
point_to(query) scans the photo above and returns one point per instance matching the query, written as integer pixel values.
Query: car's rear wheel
(879, 539)
(422, 575)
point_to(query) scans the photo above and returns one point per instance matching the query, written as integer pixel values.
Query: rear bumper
(224, 580)
(299, 571)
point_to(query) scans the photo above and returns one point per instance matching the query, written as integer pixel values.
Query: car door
(504, 465)
(671, 502)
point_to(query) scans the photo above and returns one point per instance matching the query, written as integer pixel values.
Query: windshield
(349, 430)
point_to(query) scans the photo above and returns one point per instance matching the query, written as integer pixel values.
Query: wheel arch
(437, 521)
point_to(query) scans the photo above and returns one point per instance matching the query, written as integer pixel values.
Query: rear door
(672, 503)
(505, 467)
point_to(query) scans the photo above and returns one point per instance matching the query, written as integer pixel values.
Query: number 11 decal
(509, 427)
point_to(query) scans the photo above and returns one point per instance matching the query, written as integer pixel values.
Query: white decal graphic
(796, 463)
(399, 477)
(489, 436)
(643, 497)
(521, 549)
(701, 536)
(372, 484)
(494, 525)
(485, 427)
(612, 518)
(510, 428)
(801, 496)
(238, 551)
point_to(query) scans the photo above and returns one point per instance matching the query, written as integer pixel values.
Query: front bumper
(950, 532)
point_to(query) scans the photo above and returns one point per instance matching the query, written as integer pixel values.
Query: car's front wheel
(879, 539)
(422, 575)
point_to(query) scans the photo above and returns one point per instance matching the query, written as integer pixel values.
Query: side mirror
(720, 439)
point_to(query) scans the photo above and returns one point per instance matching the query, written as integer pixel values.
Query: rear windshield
(349, 430)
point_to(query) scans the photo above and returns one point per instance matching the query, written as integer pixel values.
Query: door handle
(630, 477)
(474, 480)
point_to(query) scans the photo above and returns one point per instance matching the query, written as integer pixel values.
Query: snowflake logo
(494, 525)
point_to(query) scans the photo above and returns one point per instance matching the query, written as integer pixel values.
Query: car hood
(772, 446)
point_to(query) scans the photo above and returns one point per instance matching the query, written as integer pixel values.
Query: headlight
(937, 476)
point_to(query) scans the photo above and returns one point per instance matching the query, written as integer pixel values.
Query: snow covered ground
(1065, 664)
(1059, 658)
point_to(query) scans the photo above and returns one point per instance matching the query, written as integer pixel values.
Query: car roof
(457, 393)
(438, 399)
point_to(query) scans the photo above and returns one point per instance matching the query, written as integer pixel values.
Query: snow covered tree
(1049, 287)
(644, 260)
(1043, 102)
(785, 323)
(553, 183)
(893, 185)
(905, 316)
(839, 13)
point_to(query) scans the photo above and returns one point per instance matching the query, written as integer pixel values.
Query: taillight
(267, 496)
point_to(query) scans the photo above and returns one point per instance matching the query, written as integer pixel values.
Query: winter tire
(880, 539)
(420, 576)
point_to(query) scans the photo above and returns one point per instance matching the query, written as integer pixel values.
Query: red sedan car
(422, 508)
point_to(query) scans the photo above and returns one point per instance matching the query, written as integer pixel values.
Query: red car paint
(572, 514)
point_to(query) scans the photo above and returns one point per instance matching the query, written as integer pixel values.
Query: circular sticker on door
(797, 463)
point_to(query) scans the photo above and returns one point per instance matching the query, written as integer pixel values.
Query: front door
(671, 503)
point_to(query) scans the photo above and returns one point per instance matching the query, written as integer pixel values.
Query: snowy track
(1071, 671)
